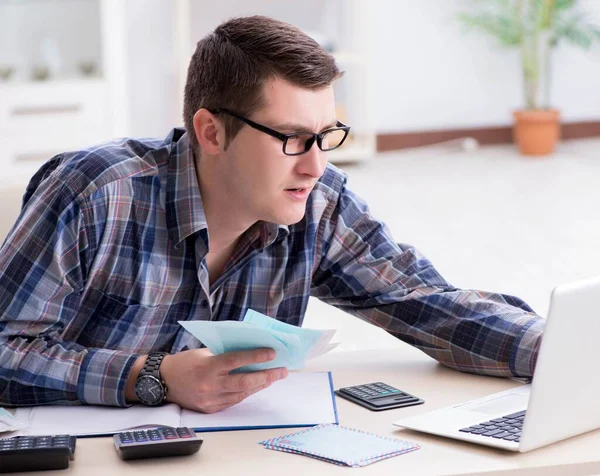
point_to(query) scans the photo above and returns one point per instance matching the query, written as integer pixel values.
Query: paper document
(8, 422)
(301, 399)
(293, 345)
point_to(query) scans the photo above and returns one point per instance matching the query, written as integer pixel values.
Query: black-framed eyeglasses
(298, 143)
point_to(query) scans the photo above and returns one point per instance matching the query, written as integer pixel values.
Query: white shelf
(68, 111)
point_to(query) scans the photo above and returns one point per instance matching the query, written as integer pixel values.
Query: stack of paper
(293, 345)
(340, 445)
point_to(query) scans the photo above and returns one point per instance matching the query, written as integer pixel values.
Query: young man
(118, 242)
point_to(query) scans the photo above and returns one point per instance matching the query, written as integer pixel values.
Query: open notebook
(301, 399)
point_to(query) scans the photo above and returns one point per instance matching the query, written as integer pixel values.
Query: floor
(487, 218)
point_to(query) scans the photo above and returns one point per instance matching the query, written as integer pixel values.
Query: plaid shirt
(108, 254)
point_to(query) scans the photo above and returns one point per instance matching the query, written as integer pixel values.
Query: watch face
(149, 390)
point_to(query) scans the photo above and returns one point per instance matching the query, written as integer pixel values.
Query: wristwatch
(150, 388)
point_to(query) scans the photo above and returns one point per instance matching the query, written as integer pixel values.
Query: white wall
(431, 74)
(151, 67)
(427, 72)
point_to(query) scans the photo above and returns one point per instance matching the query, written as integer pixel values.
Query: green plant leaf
(577, 31)
(503, 27)
(564, 4)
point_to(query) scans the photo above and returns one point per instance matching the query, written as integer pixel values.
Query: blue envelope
(292, 344)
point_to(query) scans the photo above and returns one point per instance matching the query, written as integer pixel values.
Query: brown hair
(231, 64)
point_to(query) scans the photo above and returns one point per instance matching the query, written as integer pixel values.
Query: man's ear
(209, 132)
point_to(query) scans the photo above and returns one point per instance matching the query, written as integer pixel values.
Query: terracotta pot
(536, 131)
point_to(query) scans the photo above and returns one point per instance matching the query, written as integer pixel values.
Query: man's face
(267, 184)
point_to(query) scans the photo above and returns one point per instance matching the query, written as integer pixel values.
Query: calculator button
(169, 434)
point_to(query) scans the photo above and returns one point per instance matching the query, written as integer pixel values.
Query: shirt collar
(271, 232)
(185, 212)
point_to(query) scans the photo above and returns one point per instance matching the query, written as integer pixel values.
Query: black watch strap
(152, 364)
(148, 380)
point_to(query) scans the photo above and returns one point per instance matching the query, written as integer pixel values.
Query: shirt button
(204, 303)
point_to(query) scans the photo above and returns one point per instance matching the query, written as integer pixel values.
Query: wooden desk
(238, 452)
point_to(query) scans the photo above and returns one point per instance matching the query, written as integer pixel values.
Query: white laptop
(562, 400)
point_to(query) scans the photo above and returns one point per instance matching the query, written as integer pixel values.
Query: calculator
(378, 396)
(157, 442)
(36, 453)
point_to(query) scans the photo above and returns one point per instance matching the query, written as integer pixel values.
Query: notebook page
(94, 420)
(301, 399)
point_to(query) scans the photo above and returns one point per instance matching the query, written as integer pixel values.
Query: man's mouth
(298, 193)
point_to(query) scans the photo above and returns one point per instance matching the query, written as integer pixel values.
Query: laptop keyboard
(506, 428)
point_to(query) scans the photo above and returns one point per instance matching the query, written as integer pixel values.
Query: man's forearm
(40, 371)
(470, 331)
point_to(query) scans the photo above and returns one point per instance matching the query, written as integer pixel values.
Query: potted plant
(536, 27)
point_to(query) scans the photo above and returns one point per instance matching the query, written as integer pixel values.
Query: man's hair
(231, 65)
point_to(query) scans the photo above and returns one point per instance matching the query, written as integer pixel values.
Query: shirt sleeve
(43, 263)
(365, 273)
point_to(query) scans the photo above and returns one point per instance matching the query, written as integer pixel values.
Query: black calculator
(36, 453)
(378, 396)
(157, 442)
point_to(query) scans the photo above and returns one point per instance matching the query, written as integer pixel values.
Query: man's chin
(290, 218)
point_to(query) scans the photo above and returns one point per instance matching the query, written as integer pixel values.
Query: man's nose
(313, 162)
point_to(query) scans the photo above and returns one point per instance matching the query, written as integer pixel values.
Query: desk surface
(238, 452)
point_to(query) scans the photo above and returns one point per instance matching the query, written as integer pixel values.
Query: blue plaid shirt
(108, 254)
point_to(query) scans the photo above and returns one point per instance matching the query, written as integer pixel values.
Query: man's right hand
(200, 381)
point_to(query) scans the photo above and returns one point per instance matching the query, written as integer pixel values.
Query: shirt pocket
(113, 323)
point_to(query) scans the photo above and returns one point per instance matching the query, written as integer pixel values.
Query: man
(118, 242)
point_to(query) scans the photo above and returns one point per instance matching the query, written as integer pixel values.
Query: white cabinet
(39, 120)
(68, 110)
(344, 25)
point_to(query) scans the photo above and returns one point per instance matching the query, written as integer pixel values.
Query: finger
(233, 398)
(233, 360)
(216, 408)
(226, 400)
(247, 381)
